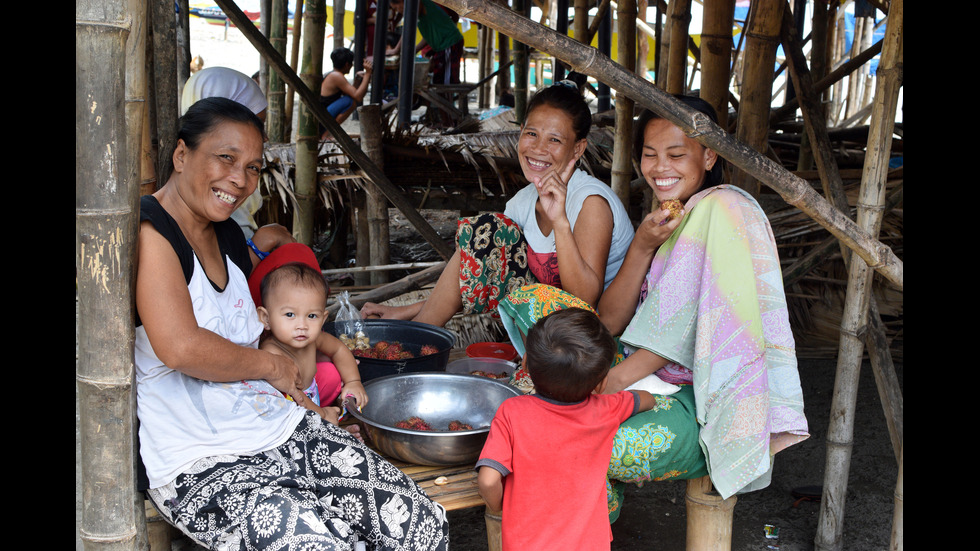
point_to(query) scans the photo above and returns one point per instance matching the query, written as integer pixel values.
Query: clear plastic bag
(349, 323)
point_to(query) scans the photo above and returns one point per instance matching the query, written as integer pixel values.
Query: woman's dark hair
(341, 57)
(716, 175)
(568, 353)
(206, 114)
(568, 99)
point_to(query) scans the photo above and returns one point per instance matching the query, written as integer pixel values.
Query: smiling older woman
(229, 459)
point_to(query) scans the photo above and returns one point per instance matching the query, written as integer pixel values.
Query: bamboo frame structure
(376, 206)
(716, 56)
(105, 241)
(622, 166)
(840, 434)
(275, 121)
(791, 188)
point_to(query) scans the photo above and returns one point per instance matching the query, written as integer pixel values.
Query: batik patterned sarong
(493, 261)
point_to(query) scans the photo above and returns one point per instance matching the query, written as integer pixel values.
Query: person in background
(338, 96)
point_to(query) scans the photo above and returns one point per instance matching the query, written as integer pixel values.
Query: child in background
(545, 460)
(293, 309)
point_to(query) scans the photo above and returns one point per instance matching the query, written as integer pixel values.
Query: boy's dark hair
(568, 354)
(208, 113)
(294, 273)
(341, 57)
(716, 175)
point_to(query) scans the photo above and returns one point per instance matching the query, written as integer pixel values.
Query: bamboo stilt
(856, 307)
(165, 93)
(622, 166)
(377, 205)
(311, 101)
(716, 55)
(293, 63)
(709, 517)
(307, 129)
(106, 219)
(762, 37)
(275, 120)
(898, 538)
(521, 65)
(680, 20)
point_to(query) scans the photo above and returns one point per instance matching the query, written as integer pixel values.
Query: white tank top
(183, 419)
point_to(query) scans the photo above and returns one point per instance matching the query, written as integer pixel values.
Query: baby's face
(296, 314)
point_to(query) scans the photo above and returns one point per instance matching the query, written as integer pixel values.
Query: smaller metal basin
(438, 398)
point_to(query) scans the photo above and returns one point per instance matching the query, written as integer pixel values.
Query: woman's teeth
(224, 197)
(666, 182)
(537, 164)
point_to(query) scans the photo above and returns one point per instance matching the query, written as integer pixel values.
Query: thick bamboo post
(840, 433)
(680, 20)
(311, 101)
(105, 235)
(307, 130)
(709, 517)
(275, 122)
(339, 7)
(716, 55)
(481, 57)
(376, 206)
(762, 38)
(622, 163)
(792, 189)
(582, 21)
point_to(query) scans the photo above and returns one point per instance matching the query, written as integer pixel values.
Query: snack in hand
(674, 206)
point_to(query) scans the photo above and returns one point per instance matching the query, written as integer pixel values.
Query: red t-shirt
(554, 458)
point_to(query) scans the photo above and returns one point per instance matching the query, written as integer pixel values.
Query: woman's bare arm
(167, 315)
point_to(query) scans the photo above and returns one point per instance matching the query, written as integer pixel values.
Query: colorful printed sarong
(493, 261)
(713, 301)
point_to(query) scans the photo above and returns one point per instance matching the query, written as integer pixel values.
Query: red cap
(282, 255)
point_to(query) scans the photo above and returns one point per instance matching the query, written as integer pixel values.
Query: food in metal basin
(490, 374)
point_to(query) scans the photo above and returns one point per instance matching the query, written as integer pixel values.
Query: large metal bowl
(438, 398)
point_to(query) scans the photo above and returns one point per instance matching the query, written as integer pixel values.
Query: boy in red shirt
(545, 460)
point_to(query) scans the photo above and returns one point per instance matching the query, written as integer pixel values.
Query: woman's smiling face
(222, 171)
(673, 164)
(547, 142)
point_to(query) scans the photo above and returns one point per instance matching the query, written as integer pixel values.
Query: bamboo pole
(376, 206)
(840, 432)
(165, 93)
(622, 162)
(275, 122)
(887, 381)
(293, 63)
(521, 67)
(791, 188)
(582, 21)
(339, 6)
(105, 232)
(716, 55)
(898, 538)
(343, 139)
(709, 517)
(761, 40)
(307, 130)
(680, 21)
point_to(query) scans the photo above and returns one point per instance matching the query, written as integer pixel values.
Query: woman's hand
(655, 229)
(407, 312)
(552, 188)
(284, 375)
(355, 390)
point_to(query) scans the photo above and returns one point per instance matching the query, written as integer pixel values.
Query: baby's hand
(330, 414)
(356, 390)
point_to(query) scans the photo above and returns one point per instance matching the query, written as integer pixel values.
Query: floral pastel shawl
(713, 301)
